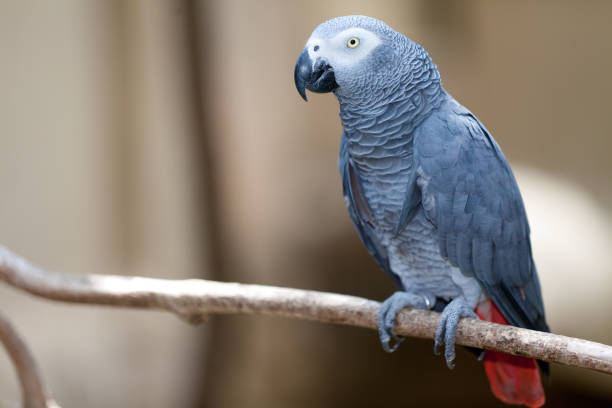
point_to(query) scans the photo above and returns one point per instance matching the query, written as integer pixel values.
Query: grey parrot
(430, 193)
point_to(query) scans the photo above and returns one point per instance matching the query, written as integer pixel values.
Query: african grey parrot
(430, 193)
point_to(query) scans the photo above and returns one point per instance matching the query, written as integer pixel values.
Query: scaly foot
(447, 328)
(388, 311)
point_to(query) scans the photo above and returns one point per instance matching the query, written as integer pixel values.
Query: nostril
(316, 48)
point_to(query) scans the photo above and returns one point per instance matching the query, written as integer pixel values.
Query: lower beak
(316, 76)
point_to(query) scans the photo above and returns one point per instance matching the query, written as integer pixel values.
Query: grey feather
(483, 215)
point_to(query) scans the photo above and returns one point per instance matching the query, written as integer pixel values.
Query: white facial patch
(336, 50)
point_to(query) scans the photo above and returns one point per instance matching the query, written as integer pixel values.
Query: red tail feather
(513, 379)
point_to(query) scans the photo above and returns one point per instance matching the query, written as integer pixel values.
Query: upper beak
(316, 76)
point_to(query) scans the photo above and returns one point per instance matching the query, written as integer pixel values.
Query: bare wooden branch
(194, 299)
(34, 392)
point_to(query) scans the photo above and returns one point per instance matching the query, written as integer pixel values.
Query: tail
(513, 379)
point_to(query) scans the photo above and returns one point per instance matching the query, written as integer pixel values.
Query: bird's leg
(389, 309)
(447, 328)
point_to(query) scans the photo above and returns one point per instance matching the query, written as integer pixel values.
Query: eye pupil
(352, 41)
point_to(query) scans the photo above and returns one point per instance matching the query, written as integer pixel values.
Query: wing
(360, 211)
(469, 193)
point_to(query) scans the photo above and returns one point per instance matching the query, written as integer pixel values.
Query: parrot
(430, 193)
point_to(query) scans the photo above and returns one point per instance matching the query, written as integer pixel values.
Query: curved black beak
(317, 76)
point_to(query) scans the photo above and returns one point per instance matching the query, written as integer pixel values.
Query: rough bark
(194, 299)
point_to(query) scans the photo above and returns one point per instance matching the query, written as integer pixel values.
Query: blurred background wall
(166, 138)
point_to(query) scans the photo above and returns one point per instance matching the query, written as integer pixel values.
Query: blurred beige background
(166, 139)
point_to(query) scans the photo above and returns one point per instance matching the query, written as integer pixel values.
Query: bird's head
(358, 58)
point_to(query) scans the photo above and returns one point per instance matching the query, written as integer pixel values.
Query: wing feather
(469, 193)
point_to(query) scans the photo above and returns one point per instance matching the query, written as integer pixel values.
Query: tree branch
(35, 394)
(194, 299)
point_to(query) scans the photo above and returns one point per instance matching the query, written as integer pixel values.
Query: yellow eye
(353, 42)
